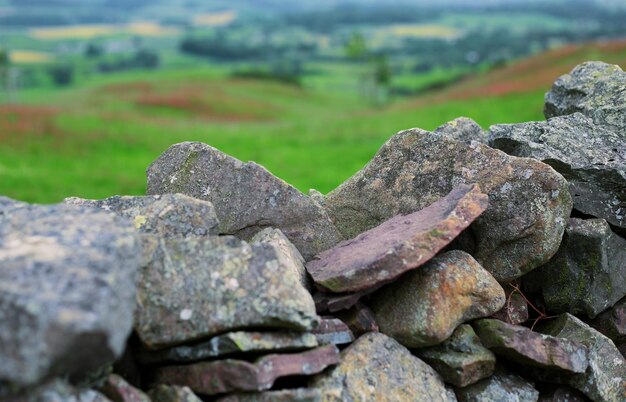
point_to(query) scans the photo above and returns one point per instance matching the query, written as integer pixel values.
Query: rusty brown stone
(399, 244)
(216, 377)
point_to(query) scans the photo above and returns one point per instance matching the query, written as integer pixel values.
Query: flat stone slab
(461, 359)
(230, 343)
(521, 345)
(500, 387)
(283, 395)
(400, 244)
(333, 331)
(221, 376)
(199, 287)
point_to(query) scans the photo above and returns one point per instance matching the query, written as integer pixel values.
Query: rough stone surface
(529, 202)
(605, 378)
(530, 348)
(230, 343)
(247, 198)
(67, 291)
(60, 391)
(500, 387)
(288, 254)
(461, 359)
(587, 274)
(593, 88)
(562, 394)
(333, 331)
(360, 319)
(229, 375)
(286, 395)
(333, 302)
(198, 287)
(462, 129)
(612, 322)
(168, 393)
(118, 390)
(377, 368)
(592, 159)
(402, 243)
(425, 306)
(515, 310)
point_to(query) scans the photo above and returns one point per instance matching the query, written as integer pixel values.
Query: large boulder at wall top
(67, 291)
(462, 129)
(247, 198)
(595, 89)
(521, 229)
(591, 158)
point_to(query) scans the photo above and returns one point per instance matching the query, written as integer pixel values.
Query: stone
(288, 253)
(400, 244)
(377, 368)
(605, 378)
(360, 319)
(425, 306)
(595, 89)
(284, 395)
(168, 393)
(118, 390)
(515, 310)
(587, 275)
(461, 359)
(58, 390)
(8, 204)
(591, 158)
(67, 292)
(199, 287)
(333, 302)
(462, 129)
(562, 394)
(502, 386)
(333, 331)
(247, 198)
(521, 345)
(220, 376)
(232, 343)
(529, 202)
(612, 322)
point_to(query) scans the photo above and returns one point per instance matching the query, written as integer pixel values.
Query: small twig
(542, 313)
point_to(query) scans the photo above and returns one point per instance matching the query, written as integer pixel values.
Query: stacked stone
(457, 265)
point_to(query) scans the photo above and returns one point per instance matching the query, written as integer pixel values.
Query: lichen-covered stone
(595, 89)
(377, 368)
(587, 275)
(529, 202)
(612, 322)
(425, 306)
(230, 343)
(333, 331)
(288, 253)
(247, 198)
(400, 244)
(169, 393)
(58, 390)
(605, 378)
(462, 129)
(118, 390)
(500, 387)
(530, 348)
(220, 376)
(591, 158)
(285, 395)
(562, 393)
(67, 291)
(198, 287)
(461, 359)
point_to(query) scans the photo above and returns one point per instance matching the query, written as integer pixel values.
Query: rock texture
(60, 391)
(333, 331)
(587, 274)
(286, 395)
(595, 89)
(247, 198)
(591, 158)
(515, 310)
(528, 201)
(211, 378)
(524, 346)
(400, 244)
(461, 359)
(502, 386)
(612, 322)
(377, 368)
(198, 287)
(425, 306)
(167, 393)
(118, 390)
(462, 129)
(67, 291)
(562, 394)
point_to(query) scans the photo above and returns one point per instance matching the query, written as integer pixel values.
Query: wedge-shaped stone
(592, 159)
(587, 275)
(377, 368)
(500, 387)
(198, 287)
(605, 378)
(232, 342)
(360, 319)
(521, 229)
(168, 393)
(612, 322)
(461, 359)
(425, 306)
(211, 378)
(402, 243)
(247, 198)
(333, 331)
(527, 347)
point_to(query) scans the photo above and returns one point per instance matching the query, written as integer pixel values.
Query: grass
(96, 140)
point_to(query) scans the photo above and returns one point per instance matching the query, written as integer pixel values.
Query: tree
(356, 48)
(62, 74)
